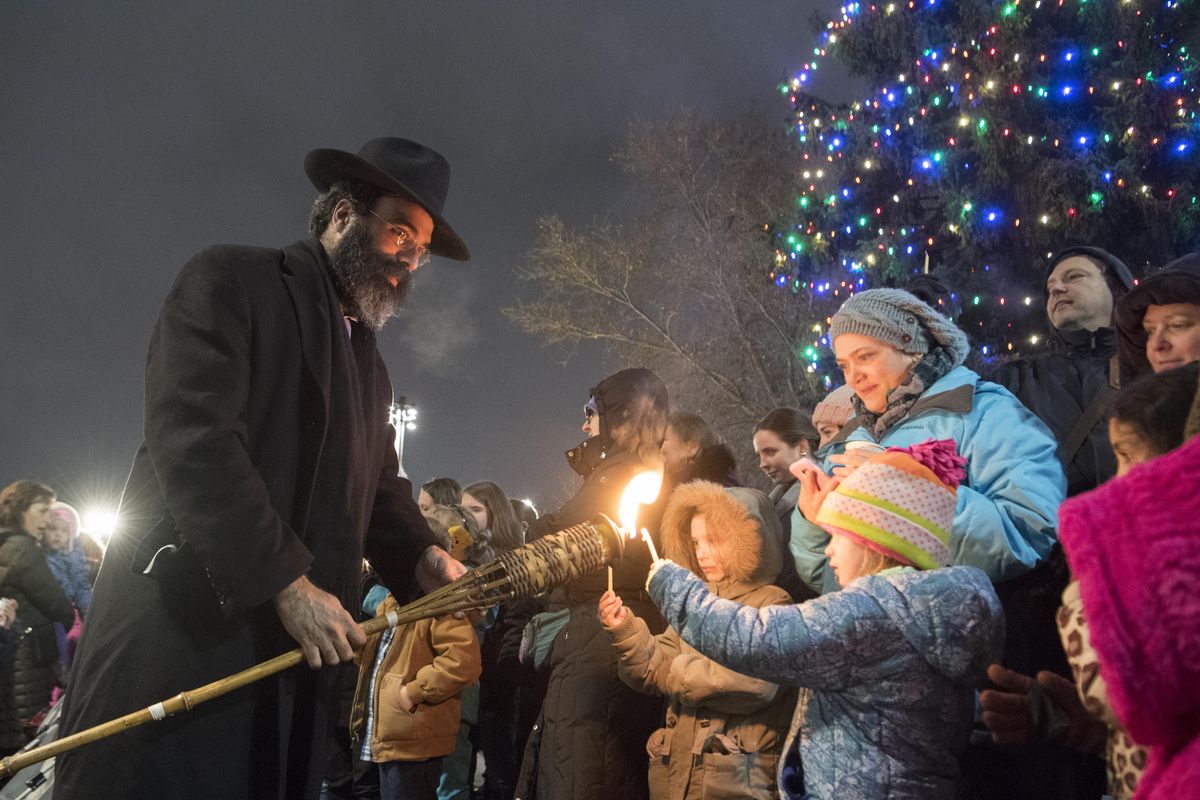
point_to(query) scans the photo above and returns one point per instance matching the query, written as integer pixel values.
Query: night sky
(134, 134)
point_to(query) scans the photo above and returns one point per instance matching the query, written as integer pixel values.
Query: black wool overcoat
(218, 516)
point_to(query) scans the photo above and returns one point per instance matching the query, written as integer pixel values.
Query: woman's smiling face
(1172, 335)
(872, 368)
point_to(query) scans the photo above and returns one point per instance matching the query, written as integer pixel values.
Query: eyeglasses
(404, 242)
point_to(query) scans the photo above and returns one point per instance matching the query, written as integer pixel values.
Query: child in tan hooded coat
(406, 710)
(724, 731)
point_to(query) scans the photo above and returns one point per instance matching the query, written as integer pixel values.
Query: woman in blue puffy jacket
(904, 362)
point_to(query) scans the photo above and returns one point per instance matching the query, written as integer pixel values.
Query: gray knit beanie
(901, 320)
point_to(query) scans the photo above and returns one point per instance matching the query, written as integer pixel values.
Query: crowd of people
(955, 585)
(47, 566)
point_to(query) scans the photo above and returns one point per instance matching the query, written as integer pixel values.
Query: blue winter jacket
(1008, 505)
(891, 663)
(69, 568)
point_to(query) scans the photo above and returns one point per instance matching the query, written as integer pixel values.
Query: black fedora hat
(403, 167)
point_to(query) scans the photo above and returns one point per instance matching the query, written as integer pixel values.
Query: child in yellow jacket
(406, 707)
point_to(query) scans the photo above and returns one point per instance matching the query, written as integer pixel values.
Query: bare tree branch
(685, 289)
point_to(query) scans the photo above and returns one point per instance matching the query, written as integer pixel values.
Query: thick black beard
(360, 274)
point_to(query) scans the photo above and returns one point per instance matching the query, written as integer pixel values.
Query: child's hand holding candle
(612, 611)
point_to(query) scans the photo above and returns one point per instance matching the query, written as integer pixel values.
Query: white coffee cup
(866, 448)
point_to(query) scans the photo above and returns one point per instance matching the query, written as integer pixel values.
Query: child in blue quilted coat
(888, 666)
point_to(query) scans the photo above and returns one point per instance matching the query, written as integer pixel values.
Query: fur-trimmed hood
(743, 524)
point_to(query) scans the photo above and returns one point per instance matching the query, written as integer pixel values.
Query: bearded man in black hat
(267, 473)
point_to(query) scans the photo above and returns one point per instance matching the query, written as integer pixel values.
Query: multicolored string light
(912, 167)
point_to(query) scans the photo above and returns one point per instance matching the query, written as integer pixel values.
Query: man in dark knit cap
(1069, 386)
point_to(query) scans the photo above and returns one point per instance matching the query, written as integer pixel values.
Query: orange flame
(642, 490)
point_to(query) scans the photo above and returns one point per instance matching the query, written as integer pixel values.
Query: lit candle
(650, 544)
(610, 578)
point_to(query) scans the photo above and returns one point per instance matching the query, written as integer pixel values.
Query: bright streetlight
(99, 523)
(402, 417)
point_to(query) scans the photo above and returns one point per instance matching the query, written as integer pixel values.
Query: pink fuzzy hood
(1134, 546)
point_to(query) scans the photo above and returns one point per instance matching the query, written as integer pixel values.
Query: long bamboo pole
(184, 701)
(479, 588)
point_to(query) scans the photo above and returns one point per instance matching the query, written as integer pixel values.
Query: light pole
(402, 416)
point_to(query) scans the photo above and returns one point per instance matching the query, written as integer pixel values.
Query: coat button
(535, 727)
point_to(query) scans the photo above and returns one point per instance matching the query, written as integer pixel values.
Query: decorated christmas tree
(994, 134)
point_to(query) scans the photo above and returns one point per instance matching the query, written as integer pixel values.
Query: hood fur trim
(742, 523)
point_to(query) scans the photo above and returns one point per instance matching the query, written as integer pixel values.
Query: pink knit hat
(1134, 546)
(63, 511)
(836, 408)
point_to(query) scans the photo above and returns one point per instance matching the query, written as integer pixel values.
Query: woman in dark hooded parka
(589, 741)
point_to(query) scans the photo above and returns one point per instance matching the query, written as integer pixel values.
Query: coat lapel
(303, 272)
(304, 277)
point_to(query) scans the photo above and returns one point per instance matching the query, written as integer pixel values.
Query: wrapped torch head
(561, 557)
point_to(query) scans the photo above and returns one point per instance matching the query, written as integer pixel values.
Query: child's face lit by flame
(708, 555)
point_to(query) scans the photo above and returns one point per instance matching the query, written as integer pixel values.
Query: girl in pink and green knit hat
(892, 660)
(897, 509)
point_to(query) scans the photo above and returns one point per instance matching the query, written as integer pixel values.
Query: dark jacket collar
(1100, 343)
(587, 455)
